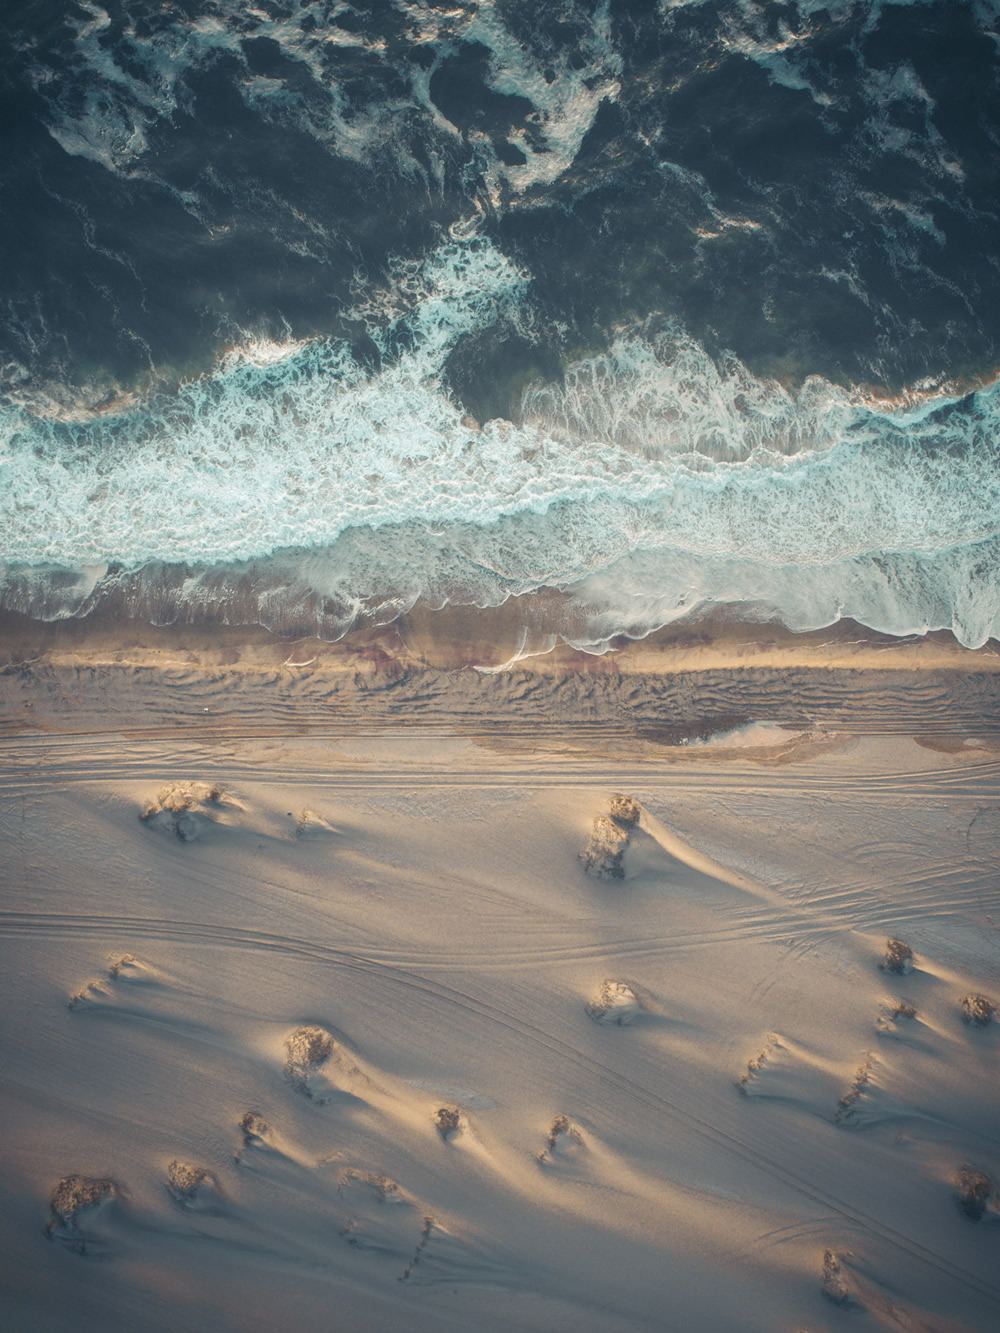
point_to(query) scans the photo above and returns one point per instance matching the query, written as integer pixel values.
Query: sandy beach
(330, 1002)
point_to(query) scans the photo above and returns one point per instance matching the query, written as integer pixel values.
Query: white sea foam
(651, 481)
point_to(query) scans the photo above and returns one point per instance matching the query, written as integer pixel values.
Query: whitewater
(652, 481)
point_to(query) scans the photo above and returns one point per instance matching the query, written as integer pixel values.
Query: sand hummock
(337, 1030)
(72, 1205)
(615, 1002)
(974, 1190)
(898, 958)
(977, 1010)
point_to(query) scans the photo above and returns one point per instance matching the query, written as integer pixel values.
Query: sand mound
(890, 1011)
(189, 1185)
(615, 1002)
(977, 1010)
(758, 1063)
(832, 1283)
(382, 1220)
(974, 1190)
(564, 1140)
(898, 958)
(122, 967)
(312, 825)
(256, 1131)
(785, 1071)
(71, 1197)
(308, 1049)
(604, 853)
(847, 1107)
(624, 809)
(185, 809)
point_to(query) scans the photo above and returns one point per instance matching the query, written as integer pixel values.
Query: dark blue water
(314, 310)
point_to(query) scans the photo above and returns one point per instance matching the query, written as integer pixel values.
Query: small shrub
(615, 1002)
(625, 809)
(447, 1120)
(184, 1181)
(846, 1107)
(604, 852)
(254, 1126)
(977, 1010)
(898, 957)
(974, 1190)
(833, 1286)
(72, 1196)
(308, 1047)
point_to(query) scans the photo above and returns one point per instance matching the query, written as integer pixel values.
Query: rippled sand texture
(336, 1015)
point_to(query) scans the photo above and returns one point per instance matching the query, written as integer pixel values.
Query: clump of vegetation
(625, 809)
(974, 1189)
(902, 1010)
(562, 1134)
(604, 853)
(898, 957)
(72, 1196)
(755, 1065)
(614, 1003)
(307, 1048)
(179, 806)
(846, 1107)
(447, 1120)
(833, 1286)
(255, 1128)
(184, 1182)
(977, 1010)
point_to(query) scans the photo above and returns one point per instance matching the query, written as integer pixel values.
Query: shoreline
(483, 674)
(490, 640)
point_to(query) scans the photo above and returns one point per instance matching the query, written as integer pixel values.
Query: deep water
(313, 311)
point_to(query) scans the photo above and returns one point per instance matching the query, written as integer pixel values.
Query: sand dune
(329, 1016)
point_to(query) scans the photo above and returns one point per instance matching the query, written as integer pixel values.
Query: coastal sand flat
(384, 915)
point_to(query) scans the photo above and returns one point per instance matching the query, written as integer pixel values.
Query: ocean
(315, 311)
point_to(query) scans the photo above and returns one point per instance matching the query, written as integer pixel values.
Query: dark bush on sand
(71, 1197)
(447, 1120)
(832, 1285)
(255, 1128)
(974, 1189)
(624, 809)
(185, 1182)
(977, 1010)
(898, 957)
(603, 854)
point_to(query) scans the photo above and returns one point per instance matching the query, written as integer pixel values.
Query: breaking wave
(298, 487)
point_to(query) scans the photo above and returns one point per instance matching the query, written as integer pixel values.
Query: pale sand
(488, 1090)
